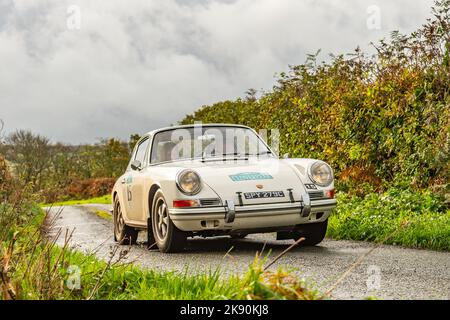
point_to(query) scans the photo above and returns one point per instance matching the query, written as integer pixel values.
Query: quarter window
(140, 152)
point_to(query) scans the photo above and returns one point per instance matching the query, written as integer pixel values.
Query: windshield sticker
(246, 176)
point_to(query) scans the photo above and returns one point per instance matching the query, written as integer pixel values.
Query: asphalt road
(389, 272)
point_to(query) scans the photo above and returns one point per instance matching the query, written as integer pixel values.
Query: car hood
(227, 178)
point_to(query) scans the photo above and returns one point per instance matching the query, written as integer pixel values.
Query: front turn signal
(185, 203)
(330, 193)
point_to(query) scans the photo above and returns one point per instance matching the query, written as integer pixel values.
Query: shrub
(85, 189)
(5, 179)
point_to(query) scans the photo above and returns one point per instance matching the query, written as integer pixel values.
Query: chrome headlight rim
(310, 174)
(178, 183)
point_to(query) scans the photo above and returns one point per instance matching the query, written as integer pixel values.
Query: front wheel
(313, 233)
(167, 236)
(122, 233)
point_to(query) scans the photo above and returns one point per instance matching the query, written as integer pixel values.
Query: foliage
(376, 120)
(376, 216)
(5, 180)
(86, 189)
(31, 155)
(258, 284)
(57, 171)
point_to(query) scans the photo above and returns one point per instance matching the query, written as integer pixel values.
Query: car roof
(150, 133)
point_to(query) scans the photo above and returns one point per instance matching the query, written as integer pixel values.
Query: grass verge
(106, 199)
(375, 216)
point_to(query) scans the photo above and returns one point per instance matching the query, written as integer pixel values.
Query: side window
(140, 152)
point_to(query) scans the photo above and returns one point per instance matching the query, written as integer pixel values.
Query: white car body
(221, 206)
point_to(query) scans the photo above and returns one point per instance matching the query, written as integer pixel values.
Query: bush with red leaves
(89, 188)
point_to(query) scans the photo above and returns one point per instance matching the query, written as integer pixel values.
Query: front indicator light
(185, 203)
(330, 193)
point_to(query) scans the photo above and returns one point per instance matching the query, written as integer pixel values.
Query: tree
(134, 138)
(30, 155)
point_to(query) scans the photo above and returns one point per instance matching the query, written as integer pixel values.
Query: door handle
(123, 181)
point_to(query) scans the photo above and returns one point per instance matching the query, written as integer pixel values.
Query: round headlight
(321, 173)
(188, 182)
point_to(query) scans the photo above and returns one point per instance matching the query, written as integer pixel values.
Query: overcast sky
(132, 66)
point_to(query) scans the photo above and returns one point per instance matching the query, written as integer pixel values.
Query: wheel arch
(151, 195)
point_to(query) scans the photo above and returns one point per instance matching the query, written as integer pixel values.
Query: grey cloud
(138, 65)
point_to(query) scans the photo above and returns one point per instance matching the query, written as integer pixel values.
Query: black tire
(313, 233)
(168, 237)
(151, 243)
(123, 234)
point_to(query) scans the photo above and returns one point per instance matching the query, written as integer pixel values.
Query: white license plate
(263, 194)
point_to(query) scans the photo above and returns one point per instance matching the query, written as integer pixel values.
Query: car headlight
(321, 174)
(188, 182)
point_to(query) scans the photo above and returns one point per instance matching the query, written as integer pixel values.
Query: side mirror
(286, 156)
(136, 165)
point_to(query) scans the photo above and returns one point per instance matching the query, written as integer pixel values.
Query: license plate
(263, 194)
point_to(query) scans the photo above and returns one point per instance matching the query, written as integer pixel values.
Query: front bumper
(250, 216)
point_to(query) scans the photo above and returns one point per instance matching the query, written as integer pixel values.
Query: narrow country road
(390, 272)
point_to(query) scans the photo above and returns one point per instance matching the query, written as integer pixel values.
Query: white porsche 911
(217, 179)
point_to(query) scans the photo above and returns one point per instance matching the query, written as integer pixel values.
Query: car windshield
(206, 142)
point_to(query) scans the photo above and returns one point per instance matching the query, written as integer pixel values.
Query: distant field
(100, 200)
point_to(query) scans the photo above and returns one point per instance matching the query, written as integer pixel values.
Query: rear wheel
(313, 233)
(167, 236)
(122, 233)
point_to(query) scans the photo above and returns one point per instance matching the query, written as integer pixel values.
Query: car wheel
(167, 236)
(123, 234)
(313, 233)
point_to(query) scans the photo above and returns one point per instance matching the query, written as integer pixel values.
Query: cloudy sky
(76, 71)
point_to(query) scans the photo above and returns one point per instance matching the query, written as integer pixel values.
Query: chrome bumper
(250, 216)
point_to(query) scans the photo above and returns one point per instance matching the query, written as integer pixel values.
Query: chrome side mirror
(136, 165)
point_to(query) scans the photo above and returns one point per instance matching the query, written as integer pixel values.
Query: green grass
(97, 200)
(130, 282)
(378, 215)
(124, 282)
(103, 214)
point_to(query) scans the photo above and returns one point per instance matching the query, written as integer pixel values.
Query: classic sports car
(217, 179)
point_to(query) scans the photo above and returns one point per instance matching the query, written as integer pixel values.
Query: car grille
(210, 202)
(314, 195)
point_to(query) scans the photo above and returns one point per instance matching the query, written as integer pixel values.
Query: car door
(134, 182)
